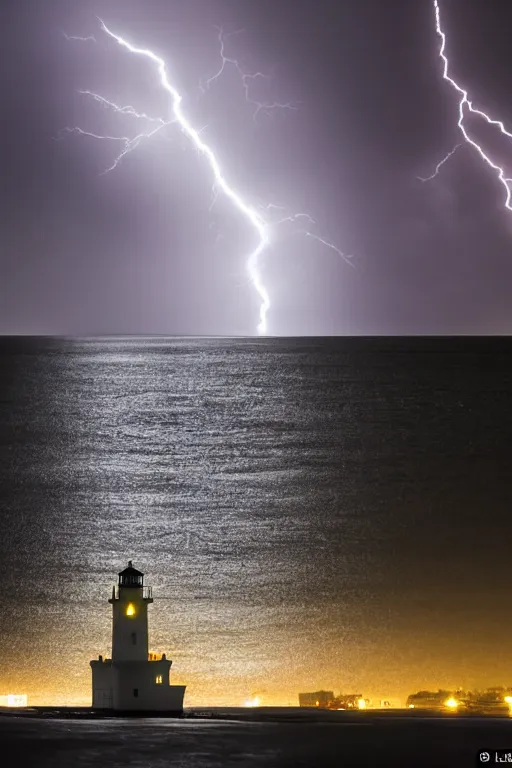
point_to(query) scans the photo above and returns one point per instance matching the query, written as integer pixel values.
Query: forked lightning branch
(257, 221)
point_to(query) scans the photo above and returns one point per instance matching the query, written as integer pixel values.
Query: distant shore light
(16, 700)
(254, 702)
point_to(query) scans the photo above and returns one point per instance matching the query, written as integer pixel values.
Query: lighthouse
(133, 679)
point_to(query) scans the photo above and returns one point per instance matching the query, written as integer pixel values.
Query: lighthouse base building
(133, 680)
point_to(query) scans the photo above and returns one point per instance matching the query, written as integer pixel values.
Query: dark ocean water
(369, 743)
(311, 513)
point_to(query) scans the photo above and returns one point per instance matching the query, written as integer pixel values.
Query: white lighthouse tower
(133, 679)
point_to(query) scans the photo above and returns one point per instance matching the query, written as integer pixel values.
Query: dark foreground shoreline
(267, 738)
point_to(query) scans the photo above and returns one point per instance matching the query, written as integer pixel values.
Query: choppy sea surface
(311, 513)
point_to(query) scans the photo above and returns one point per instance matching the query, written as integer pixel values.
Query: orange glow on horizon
(70, 685)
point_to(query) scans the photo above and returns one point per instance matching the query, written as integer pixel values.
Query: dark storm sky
(137, 251)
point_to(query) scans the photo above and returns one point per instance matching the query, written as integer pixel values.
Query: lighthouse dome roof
(131, 577)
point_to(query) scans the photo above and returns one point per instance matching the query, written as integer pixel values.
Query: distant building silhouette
(492, 701)
(316, 699)
(133, 679)
(428, 700)
(349, 701)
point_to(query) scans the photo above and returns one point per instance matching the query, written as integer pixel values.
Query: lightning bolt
(439, 165)
(247, 78)
(129, 144)
(259, 223)
(83, 39)
(466, 105)
(293, 218)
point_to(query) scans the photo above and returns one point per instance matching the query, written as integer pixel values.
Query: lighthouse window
(158, 679)
(134, 638)
(135, 692)
(130, 609)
